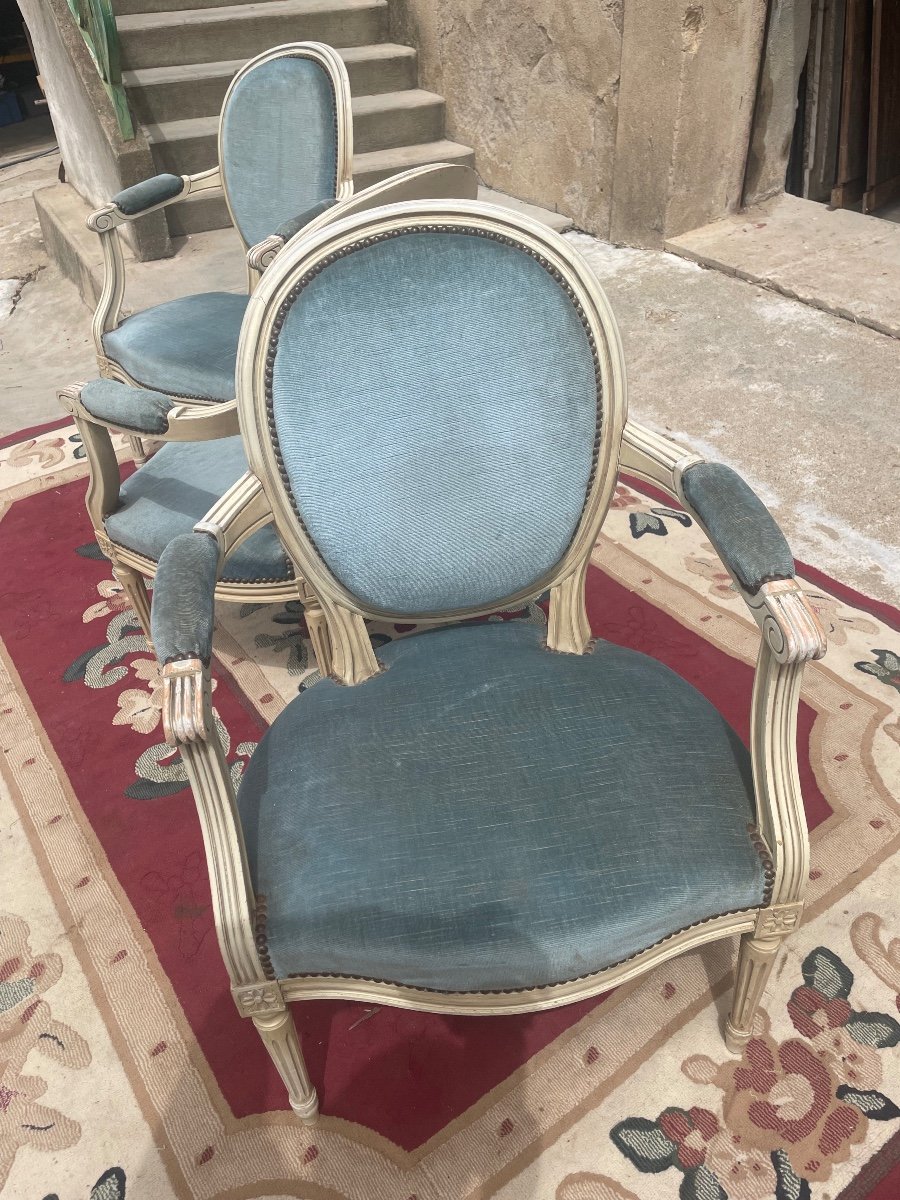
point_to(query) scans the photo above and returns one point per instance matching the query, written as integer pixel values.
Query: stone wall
(532, 87)
(632, 117)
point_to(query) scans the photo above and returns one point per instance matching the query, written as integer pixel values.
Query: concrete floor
(45, 337)
(840, 261)
(801, 402)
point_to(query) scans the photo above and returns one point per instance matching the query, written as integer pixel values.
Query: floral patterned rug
(125, 1069)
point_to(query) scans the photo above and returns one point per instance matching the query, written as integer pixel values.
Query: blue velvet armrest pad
(182, 615)
(141, 196)
(288, 228)
(136, 409)
(739, 525)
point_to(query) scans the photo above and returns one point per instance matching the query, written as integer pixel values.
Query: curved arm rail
(791, 636)
(105, 220)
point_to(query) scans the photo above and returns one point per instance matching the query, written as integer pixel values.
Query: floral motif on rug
(628, 1097)
(790, 1109)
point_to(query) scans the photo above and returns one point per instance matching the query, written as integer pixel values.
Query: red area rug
(568, 1104)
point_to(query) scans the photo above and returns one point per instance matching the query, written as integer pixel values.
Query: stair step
(123, 8)
(202, 35)
(381, 164)
(130, 8)
(161, 94)
(379, 123)
(207, 210)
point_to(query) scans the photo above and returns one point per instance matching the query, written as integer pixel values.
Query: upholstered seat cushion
(187, 347)
(174, 490)
(488, 814)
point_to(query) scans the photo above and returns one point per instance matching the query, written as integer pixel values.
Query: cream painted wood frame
(790, 636)
(195, 421)
(106, 220)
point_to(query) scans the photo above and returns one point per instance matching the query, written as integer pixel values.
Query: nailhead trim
(768, 864)
(259, 936)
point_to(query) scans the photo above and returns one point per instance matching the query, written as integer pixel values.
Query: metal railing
(97, 23)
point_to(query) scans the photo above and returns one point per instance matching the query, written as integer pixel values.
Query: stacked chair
(482, 819)
(167, 373)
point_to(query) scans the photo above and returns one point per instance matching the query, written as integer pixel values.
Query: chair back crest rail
(516, 321)
(285, 136)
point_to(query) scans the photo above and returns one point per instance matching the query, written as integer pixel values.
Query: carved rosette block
(778, 920)
(257, 999)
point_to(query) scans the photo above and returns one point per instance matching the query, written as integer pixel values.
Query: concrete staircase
(178, 62)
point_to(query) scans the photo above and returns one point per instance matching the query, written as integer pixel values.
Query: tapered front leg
(756, 958)
(279, 1033)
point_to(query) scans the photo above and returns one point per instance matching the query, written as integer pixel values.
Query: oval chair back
(285, 137)
(433, 394)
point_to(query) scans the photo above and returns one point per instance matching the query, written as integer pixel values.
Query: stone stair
(178, 62)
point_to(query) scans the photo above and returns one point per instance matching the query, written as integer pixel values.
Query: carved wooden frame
(791, 636)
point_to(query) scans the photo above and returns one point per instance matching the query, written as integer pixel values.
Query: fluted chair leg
(319, 634)
(279, 1033)
(138, 449)
(756, 958)
(134, 587)
(320, 637)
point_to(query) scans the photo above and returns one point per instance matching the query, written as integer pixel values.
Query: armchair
(134, 522)
(285, 148)
(475, 821)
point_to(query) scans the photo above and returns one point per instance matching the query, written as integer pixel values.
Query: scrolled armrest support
(791, 629)
(263, 253)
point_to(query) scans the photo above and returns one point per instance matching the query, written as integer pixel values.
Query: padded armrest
(136, 410)
(295, 224)
(182, 612)
(148, 193)
(739, 525)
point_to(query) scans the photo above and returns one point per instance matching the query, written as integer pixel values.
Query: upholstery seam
(543, 987)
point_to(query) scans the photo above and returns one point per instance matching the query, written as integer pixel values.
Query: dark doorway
(846, 147)
(26, 130)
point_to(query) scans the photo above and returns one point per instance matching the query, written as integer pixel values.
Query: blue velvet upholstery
(279, 144)
(176, 488)
(187, 347)
(141, 196)
(739, 525)
(287, 229)
(182, 615)
(487, 814)
(436, 406)
(131, 408)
